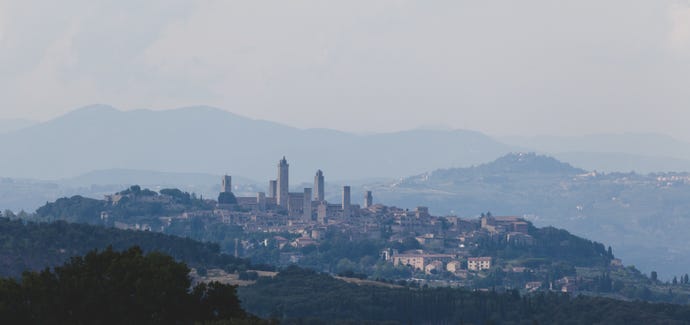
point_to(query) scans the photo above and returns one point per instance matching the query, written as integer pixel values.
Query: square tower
(227, 184)
(283, 186)
(272, 188)
(368, 199)
(318, 186)
(346, 201)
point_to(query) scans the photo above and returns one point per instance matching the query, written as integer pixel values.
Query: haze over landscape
(119, 155)
(436, 157)
(498, 67)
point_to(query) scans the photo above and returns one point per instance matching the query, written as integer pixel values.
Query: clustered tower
(303, 204)
(283, 186)
(306, 209)
(227, 184)
(318, 186)
(368, 200)
(346, 201)
(272, 188)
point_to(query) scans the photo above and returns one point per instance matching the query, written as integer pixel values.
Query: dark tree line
(298, 295)
(111, 287)
(34, 246)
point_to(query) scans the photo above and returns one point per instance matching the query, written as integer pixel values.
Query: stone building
(478, 263)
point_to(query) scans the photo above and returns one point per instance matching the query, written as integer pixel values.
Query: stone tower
(368, 199)
(318, 186)
(227, 184)
(283, 186)
(261, 201)
(272, 188)
(346, 201)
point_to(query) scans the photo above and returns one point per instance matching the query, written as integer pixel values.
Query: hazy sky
(501, 67)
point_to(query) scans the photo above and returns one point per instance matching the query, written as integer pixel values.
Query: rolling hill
(640, 152)
(644, 216)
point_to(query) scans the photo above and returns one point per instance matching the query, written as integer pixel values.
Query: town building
(478, 263)
(295, 204)
(421, 212)
(261, 201)
(419, 260)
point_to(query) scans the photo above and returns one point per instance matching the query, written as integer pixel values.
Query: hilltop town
(446, 241)
(368, 243)
(371, 240)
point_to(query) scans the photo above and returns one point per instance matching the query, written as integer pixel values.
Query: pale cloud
(535, 66)
(2, 22)
(679, 37)
(53, 85)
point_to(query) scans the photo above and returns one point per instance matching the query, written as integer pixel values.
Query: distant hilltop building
(504, 224)
(305, 205)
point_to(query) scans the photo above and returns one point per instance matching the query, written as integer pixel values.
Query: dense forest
(111, 287)
(300, 296)
(34, 246)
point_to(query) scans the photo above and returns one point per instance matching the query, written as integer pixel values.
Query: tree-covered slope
(643, 216)
(34, 246)
(296, 294)
(111, 287)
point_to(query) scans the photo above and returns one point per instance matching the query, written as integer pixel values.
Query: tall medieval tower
(283, 188)
(318, 186)
(346, 201)
(227, 184)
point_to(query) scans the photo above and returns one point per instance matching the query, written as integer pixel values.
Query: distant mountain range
(209, 140)
(213, 141)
